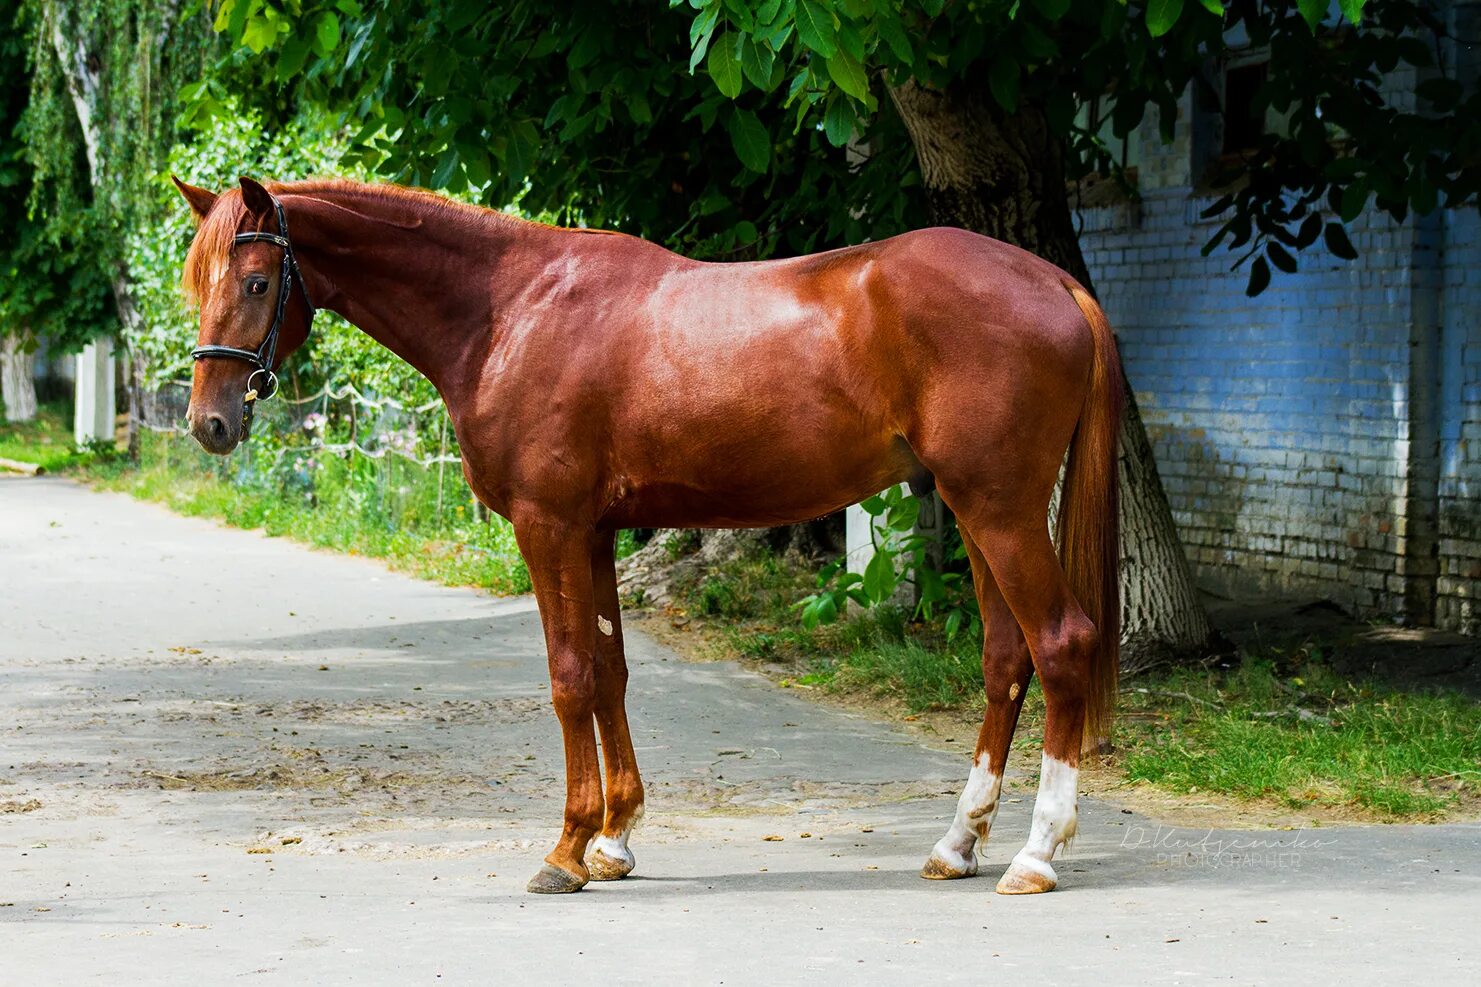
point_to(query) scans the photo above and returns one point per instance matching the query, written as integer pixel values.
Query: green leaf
(1313, 11)
(700, 33)
(1053, 9)
(838, 122)
(326, 33)
(1352, 10)
(447, 163)
(879, 576)
(1354, 198)
(815, 27)
(756, 63)
(930, 584)
(1002, 79)
(1162, 15)
(873, 506)
(290, 60)
(1215, 7)
(893, 36)
(1280, 257)
(1338, 243)
(953, 624)
(750, 139)
(902, 517)
(725, 65)
(1259, 277)
(849, 75)
(260, 33)
(1310, 230)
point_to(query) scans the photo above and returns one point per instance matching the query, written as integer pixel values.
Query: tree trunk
(17, 380)
(84, 78)
(1003, 175)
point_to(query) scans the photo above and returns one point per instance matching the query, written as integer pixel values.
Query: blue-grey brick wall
(1459, 584)
(1289, 428)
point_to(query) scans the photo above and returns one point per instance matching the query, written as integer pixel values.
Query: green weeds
(1282, 727)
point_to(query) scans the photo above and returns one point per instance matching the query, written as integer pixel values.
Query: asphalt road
(175, 696)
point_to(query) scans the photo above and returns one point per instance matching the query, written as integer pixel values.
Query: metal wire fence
(372, 458)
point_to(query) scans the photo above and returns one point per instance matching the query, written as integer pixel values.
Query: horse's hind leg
(1014, 539)
(608, 856)
(1006, 670)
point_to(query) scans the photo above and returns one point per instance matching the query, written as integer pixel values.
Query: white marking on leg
(975, 811)
(615, 847)
(1054, 817)
(604, 625)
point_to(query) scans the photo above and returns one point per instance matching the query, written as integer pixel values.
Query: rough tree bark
(83, 73)
(1003, 175)
(17, 381)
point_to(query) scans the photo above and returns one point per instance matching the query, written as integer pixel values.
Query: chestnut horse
(597, 382)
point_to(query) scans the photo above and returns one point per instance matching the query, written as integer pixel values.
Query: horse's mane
(211, 248)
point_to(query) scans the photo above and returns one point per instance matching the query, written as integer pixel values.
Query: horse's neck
(415, 276)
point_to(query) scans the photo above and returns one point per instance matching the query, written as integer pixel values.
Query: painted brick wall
(1282, 424)
(1459, 583)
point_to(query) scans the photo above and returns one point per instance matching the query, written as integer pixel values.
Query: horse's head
(254, 308)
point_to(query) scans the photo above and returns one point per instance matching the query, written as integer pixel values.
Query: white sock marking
(975, 811)
(1054, 816)
(616, 847)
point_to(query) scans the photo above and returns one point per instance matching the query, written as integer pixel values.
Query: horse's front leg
(610, 857)
(558, 554)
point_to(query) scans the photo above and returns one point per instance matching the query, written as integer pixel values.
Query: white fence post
(93, 420)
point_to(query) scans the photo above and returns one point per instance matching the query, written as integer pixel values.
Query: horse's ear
(200, 199)
(255, 197)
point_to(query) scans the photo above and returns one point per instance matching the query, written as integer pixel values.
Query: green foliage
(901, 556)
(583, 111)
(387, 508)
(1347, 137)
(755, 587)
(48, 287)
(124, 60)
(45, 441)
(1290, 731)
(1308, 739)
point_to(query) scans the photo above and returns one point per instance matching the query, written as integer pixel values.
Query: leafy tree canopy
(716, 124)
(46, 289)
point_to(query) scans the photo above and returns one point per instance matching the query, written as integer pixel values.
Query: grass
(378, 509)
(1279, 727)
(45, 441)
(1312, 738)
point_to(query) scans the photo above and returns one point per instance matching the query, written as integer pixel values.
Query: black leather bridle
(263, 357)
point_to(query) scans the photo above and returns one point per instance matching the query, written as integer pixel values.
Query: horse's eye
(257, 286)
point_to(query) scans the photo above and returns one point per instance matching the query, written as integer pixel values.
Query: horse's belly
(764, 479)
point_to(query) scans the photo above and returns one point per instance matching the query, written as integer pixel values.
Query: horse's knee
(1063, 661)
(573, 689)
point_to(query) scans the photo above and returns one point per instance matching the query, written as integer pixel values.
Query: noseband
(262, 358)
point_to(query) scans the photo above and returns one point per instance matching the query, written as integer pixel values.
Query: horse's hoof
(948, 865)
(608, 868)
(1026, 880)
(555, 880)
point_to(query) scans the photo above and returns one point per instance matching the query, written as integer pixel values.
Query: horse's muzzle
(218, 434)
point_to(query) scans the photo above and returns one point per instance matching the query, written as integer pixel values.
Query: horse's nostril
(217, 425)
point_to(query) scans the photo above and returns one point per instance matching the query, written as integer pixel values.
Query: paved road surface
(175, 695)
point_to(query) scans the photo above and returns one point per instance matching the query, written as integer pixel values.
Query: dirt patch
(362, 712)
(347, 781)
(15, 807)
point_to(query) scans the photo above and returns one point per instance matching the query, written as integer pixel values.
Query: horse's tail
(1088, 520)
